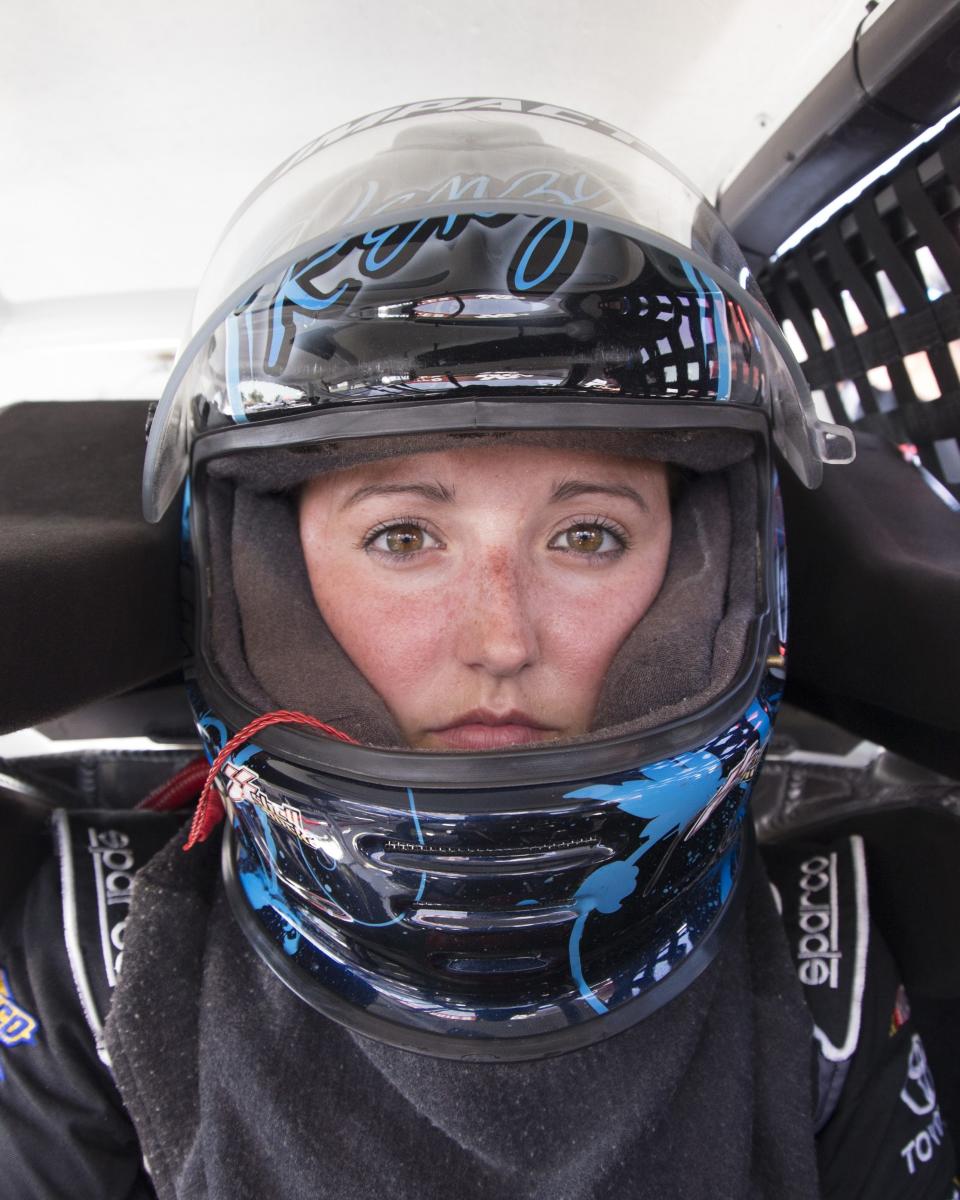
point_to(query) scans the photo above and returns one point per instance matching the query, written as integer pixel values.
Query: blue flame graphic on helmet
(263, 888)
(671, 796)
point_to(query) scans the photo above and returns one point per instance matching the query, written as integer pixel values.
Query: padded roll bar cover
(89, 592)
(874, 571)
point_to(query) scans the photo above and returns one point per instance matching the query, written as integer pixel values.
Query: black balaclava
(237, 1088)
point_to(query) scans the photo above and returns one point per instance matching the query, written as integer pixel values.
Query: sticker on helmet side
(245, 785)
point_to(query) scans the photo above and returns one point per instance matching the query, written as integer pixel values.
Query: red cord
(209, 812)
(180, 790)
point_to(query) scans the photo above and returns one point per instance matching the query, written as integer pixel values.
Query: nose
(498, 633)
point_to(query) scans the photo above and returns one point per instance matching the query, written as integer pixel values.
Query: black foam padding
(89, 592)
(874, 570)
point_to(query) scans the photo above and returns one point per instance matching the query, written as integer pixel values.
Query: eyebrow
(429, 491)
(582, 487)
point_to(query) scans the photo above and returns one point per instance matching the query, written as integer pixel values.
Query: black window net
(870, 304)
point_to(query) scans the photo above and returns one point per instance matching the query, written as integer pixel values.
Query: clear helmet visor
(470, 248)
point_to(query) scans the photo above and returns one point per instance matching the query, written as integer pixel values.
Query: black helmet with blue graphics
(484, 271)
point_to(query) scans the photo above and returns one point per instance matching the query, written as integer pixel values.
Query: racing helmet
(483, 271)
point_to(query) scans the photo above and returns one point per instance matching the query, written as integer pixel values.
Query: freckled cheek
(580, 644)
(584, 627)
(400, 642)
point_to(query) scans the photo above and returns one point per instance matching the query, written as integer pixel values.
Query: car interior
(850, 218)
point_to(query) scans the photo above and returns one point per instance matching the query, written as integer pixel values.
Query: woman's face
(483, 592)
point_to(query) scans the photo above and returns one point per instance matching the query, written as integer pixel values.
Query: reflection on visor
(438, 306)
(396, 259)
(483, 306)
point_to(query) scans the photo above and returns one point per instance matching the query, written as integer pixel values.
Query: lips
(482, 729)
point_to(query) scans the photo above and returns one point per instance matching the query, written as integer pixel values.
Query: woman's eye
(402, 539)
(586, 539)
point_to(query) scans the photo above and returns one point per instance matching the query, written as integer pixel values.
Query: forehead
(471, 469)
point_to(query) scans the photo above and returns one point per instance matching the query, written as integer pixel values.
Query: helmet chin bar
(508, 1015)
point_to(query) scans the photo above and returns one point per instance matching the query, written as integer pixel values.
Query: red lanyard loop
(209, 811)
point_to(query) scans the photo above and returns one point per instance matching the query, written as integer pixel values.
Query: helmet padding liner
(279, 469)
(274, 649)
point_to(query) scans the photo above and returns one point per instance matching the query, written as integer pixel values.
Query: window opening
(793, 340)
(892, 304)
(823, 332)
(852, 312)
(821, 405)
(933, 277)
(921, 374)
(850, 399)
(879, 379)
